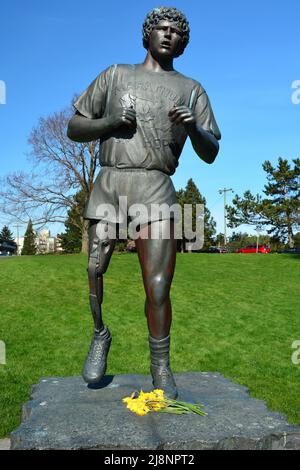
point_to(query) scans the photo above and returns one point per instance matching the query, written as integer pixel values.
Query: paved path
(4, 444)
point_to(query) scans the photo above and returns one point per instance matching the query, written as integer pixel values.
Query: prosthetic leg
(100, 251)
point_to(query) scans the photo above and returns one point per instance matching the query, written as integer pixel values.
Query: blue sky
(245, 54)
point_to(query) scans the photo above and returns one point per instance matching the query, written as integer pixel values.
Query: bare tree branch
(60, 169)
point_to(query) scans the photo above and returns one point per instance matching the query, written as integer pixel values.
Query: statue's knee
(159, 288)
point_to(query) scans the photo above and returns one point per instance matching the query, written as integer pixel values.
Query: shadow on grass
(293, 256)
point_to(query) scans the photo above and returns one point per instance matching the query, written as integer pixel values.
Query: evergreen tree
(29, 247)
(297, 240)
(283, 188)
(192, 195)
(7, 243)
(219, 239)
(279, 210)
(71, 240)
(6, 235)
(276, 243)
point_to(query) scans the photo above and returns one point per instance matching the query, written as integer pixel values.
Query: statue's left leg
(157, 258)
(100, 251)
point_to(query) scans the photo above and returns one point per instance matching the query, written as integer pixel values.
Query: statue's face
(165, 40)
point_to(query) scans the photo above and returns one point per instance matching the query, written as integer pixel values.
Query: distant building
(44, 243)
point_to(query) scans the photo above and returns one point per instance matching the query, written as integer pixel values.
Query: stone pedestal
(65, 413)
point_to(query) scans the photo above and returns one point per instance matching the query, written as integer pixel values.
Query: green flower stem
(177, 407)
(173, 411)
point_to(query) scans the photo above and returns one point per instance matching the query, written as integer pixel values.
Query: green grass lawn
(235, 314)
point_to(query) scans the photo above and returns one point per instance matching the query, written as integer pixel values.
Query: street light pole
(258, 231)
(224, 191)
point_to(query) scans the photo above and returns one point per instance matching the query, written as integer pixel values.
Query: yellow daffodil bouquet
(143, 403)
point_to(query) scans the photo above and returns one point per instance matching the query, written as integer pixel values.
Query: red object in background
(252, 249)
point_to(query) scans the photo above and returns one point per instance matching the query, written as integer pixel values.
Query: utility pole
(17, 227)
(224, 191)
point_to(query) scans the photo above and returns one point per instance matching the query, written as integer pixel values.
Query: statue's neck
(157, 64)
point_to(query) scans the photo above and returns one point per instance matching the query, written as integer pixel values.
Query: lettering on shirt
(152, 104)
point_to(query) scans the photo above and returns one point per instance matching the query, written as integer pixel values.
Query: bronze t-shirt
(156, 143)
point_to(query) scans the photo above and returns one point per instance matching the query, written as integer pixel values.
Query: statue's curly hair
(166, 13)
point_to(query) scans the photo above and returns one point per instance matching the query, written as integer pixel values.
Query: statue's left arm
(201, 127)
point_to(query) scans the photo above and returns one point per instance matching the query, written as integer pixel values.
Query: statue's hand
(124, 117)
(182, 115)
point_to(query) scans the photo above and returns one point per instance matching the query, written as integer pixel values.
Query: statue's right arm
(83, 129)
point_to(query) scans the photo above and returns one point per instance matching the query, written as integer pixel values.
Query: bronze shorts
(149, 188)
